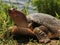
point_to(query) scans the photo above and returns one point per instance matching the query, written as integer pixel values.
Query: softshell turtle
(43, 25)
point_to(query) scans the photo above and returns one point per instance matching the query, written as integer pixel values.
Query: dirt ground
(25, 41)
(53, 42)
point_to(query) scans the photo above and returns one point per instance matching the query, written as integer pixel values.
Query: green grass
(5, 23)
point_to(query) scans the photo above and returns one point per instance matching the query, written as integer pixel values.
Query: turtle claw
(41, 36)
(44, 40)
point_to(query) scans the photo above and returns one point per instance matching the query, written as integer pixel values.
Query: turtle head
(18, 17)
(12, 12)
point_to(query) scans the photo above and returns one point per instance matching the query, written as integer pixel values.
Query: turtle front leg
(41, 35)
(32, 25)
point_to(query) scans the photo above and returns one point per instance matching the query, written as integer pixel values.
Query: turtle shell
(44, 19)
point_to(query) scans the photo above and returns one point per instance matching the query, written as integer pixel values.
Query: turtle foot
(41, 36)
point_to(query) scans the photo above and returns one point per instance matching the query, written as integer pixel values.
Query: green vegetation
(45, 6)
(5, 22)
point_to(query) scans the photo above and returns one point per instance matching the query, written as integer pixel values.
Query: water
(20, 4)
